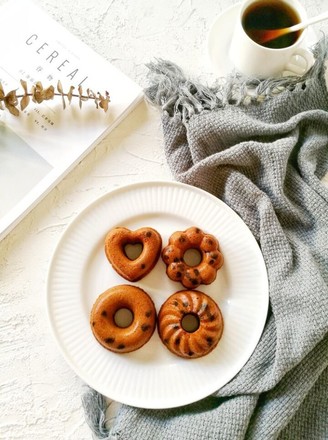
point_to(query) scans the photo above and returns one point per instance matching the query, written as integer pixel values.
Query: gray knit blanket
(262, 148)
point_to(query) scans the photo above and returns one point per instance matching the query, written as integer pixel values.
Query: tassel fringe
(170, 90)
(95, 407)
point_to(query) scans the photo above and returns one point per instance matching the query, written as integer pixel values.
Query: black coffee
(271, 14)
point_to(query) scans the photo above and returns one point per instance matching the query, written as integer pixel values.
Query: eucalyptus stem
(38, 94)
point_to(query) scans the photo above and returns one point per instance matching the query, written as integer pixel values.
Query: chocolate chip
(166, 257)
(143, 266)
(212, 318)
(145, 327)
(209, 341)
(178, 274)
(185, 304)
(148, 314)
(214, 256)
(191, 353)
(175, 303)
(104, 313)
(148, 234)
(197, 230)
(176, 326)
(182, 239)
(177, 341)
(109, 340)
(93, 324)
(196, 272)
(176, 259)
(194, 282)
(120, 347)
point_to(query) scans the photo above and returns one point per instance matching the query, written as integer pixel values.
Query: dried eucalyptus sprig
(38, 94)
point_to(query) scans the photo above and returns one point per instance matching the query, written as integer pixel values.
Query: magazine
(41, 145)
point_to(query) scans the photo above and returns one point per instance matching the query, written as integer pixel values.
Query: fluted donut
(133, 270)
(192, 276)
(172, 333)
(104, 327)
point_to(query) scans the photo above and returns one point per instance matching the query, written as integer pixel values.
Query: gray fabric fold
(264, 156)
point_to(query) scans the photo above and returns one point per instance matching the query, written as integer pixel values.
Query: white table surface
(40, 396)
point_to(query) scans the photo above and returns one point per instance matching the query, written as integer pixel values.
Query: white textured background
(40, 397)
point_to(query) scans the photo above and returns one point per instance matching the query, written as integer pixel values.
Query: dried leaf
(60, 87)
(49, 93)
(2, 93)
(37, 93)
(24, 85)
(61, 91)
(24, 102)
(91, 94)
(13, 110)
(11, 98)
(70, 94)
(26, 99)
(103, 102)
(81, 96)
(32, 93)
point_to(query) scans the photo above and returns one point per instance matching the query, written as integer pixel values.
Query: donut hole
(192, 257)
(123, 317)
(190, 322)
(133, 250)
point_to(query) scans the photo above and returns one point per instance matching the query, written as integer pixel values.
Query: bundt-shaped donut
(192, 276)
(184, 343)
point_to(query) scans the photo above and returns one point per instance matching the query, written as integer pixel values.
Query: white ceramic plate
(219, 39)
(152, 377)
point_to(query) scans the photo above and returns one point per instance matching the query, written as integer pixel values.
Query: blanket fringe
(95, 407)
(174, 93)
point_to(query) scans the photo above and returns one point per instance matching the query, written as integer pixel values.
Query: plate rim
(71, 224)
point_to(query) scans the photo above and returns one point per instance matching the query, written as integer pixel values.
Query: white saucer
(219, 38)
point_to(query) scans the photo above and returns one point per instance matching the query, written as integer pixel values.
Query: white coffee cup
(250, 58)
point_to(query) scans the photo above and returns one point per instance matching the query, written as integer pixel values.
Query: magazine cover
(45, 140)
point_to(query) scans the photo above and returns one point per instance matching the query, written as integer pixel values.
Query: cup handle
(299, 63)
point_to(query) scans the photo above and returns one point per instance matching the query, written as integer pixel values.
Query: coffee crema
(270, 14)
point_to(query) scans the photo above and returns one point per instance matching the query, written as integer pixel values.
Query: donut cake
(123, 339)
(192, 276)
(136, 269)
(184, 343)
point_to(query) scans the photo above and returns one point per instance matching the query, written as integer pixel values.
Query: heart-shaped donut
(133, 270)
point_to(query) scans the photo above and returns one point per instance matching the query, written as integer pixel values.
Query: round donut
(184, 343)
(123, 339)
(192, 276)
(133, 270)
